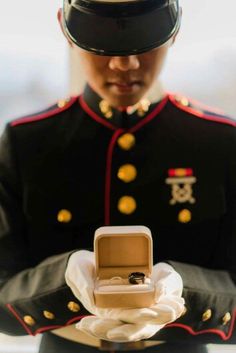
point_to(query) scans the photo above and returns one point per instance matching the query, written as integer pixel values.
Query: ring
(136, 278)
(116, 280)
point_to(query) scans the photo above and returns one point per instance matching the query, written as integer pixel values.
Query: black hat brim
(122, 32)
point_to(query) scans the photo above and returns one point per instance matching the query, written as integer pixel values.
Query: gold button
(226, 318)
(127, 173)
(207, 315)
(61, 103)
(29, 320)
(126, 141)
(127, 205)
(74, 307)
(184, 102)
(48, 315)
(64, 216)
(184, 216)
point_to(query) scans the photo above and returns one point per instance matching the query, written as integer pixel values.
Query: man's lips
(125, 86)
(125, 83)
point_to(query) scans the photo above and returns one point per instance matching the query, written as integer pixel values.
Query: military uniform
(82, 164)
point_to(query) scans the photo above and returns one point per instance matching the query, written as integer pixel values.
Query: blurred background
(37, 68)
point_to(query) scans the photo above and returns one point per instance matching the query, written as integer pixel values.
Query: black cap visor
(119, 29)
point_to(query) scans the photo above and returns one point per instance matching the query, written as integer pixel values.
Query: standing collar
(124, 118)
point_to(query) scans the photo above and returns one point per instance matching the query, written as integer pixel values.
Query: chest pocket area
(61, 207)
(193, 202)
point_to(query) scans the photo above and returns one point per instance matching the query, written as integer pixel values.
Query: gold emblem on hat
(127, 205)
(64, 216)
(126, 141)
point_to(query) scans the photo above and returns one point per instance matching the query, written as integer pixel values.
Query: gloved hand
(115, 330)
(121, 324)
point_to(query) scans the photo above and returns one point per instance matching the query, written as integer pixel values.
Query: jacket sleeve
(210, 294)
(32, 300)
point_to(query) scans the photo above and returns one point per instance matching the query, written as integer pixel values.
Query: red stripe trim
(144, 121)
(93, 115)
(108, 175)
(13, 311)
(54, 327)
(200, 114)
(220, 333)
(197, 103)
(150, 116)
(42, 116)
(45, 328)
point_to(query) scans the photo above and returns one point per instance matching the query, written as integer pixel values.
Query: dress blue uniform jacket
(78, 166)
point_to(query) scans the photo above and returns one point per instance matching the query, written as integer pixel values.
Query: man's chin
(124, 100)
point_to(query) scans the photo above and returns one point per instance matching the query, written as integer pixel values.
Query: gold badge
(181, 181)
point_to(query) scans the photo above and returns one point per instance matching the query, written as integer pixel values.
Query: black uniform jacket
(81, 165)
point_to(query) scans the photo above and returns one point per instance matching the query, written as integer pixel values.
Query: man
(111, 157)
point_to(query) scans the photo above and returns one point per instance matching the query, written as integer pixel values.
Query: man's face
(123, 80)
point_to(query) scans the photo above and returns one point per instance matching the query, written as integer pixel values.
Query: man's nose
(124, 63)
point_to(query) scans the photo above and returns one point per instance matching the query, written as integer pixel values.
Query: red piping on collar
(220, 333)
(150, 116)
(140, 124)
(202, 115)
(93, 115)
(45, 328)
(42, 116)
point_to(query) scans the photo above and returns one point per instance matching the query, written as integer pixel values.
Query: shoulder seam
(42, 116)
(199, 114)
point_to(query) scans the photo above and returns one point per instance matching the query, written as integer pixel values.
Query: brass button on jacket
(29, 320)
(74, 307)
(126, 141)
(61, 103)
(127, 205)
(127, 173)
(185, 216)
(48, 315)
(206, 315)
(226, 318)
(64, 216)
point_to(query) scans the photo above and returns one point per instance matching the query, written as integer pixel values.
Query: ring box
(120, 251)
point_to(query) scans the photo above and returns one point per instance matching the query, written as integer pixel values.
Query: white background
(34, 70)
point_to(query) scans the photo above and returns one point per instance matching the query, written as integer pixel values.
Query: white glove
(145, 322)
(115, 330)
